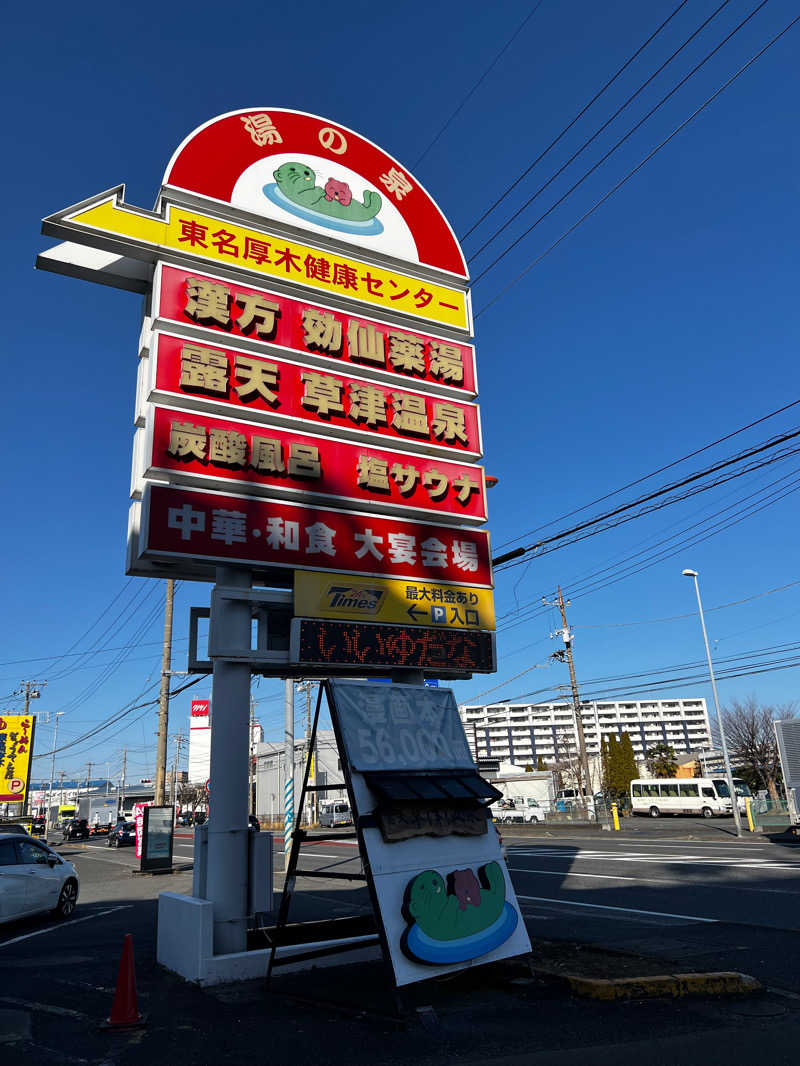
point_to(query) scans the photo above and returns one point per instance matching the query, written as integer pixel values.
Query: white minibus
(708, 796)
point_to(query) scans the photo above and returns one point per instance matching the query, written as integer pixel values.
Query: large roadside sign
(306, 396)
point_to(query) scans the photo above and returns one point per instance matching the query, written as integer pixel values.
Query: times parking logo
(359, 598)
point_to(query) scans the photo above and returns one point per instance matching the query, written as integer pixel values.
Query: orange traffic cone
(124, 1010)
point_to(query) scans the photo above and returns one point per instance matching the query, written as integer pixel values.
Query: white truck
(100, 813)
(517, 809)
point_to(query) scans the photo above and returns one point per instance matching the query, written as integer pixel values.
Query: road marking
(735, 862)
(624, 910)
(65, 925)
(595, 877)
(63, 1012)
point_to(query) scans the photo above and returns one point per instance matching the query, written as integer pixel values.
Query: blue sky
(668, 319)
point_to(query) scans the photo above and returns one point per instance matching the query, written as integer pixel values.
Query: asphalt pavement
(687, 893)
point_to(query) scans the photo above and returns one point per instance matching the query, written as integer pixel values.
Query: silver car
(34, 879)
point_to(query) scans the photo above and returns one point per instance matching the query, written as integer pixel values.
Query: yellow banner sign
(218, 241)
(376, 599)
(16, 743)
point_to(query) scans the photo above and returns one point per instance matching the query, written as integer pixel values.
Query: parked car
(39, 826)
(12, 827)
(34, 879)
(253, 822)
(76, 829)
(185, 819)
(199, 817)
(122, 834)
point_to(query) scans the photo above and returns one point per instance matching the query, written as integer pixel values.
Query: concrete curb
(674, 986)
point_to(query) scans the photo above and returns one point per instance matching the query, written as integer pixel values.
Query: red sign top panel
(283, 391)
(200, 708)
(308, 172)
(276, 460)
(256, 532)
(236, 310)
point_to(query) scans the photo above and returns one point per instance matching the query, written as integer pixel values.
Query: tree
(627, 770)
(661, 761)
(750, 732)
(190, 796)
(541, 764)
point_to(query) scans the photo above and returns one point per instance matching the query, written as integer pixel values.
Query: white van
(336, 813)
(706, 796)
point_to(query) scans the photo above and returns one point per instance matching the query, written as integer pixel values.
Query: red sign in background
(345, 401)
(213, 157)
(289, 332)
(265, 533)
(339, 463)
(200, 708)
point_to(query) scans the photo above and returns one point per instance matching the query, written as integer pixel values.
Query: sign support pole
(288, 763)
(230, 746)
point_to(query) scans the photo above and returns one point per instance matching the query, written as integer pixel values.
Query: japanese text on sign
(374, 719)
(385, 600)
(293, 391)
(274, 533)
(239, 310)
(270, 458)
(16, 739)
(226, 242)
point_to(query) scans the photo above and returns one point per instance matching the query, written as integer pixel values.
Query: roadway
(708, 902)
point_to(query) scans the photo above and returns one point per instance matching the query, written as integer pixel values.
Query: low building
(270, 775)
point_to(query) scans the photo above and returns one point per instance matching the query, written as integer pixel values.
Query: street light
(725, 759)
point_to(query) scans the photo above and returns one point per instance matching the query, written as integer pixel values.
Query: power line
(120, 715)
(480, 80)
(691, 614)
(597, 133)
(608, 154)
(665, 490)
(653, 473)
(569, 125)
(528, 611)
(636, 169)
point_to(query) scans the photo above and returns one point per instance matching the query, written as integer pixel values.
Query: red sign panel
(292, 391)
(200, 708)
(364, 344)
(256, 532)
(217, 158)
(271, 460)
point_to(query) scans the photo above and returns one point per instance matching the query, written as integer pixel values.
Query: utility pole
(61, 786)
(312, 779)
(52, 768)
(288, 762)
(88, 774)
(179, 739)
(250, 797)
(163, 699)
(124, 768)
(566, 636)
(31, 690)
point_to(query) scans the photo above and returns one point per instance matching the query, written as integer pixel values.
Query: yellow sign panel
(378, 599)
(16, 742)
(225, 242)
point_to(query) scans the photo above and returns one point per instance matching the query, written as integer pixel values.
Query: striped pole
(288, 760)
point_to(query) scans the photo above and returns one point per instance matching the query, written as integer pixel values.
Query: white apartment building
(520, 733)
